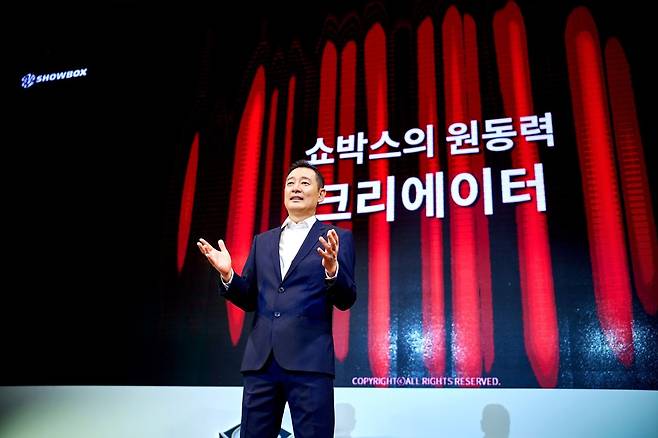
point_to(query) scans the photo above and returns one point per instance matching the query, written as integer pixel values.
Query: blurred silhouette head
(345, 420)
(495, 421)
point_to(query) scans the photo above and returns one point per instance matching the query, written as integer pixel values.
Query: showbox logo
(30, 79)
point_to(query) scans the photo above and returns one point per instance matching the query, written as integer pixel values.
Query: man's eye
(306, 183)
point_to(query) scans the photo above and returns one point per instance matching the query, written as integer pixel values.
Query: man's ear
(323, 192)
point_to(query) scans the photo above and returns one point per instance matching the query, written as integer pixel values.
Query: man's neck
(298, 218)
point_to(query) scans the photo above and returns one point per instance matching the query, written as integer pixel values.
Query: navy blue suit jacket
(293, 314)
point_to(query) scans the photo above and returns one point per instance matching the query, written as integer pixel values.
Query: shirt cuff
(326, 274)
(230, 279)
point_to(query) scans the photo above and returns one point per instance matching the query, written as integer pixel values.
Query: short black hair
(305, 163)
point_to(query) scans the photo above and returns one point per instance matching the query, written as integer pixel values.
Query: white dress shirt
(292, 236)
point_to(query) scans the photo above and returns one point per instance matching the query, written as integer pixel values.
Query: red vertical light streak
(244, 189)
(466, 347)
(431, 229)
(187, 203)
(269, 163)
(535, 265)
(599, 179)
(327, 112)
(347, 117)
(634, 181)
(287, 142)
(483, 254)
(379, 244)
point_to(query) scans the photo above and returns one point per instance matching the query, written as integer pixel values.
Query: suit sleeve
(342, 289)
(243, 290)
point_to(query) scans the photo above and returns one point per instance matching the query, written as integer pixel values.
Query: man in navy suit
(293, 277)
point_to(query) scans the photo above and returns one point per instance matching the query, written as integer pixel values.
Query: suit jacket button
(277, 314)
(281, 289)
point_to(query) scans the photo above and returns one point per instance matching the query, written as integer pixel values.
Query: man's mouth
(296, 198)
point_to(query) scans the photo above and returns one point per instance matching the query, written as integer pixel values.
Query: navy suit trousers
(310, 396)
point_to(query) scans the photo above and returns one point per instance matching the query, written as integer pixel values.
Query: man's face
(302, 192)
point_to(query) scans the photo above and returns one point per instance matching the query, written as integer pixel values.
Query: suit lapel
(276, 260)
(310, 243)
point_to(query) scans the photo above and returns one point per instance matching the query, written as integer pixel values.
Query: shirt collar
(306, 223)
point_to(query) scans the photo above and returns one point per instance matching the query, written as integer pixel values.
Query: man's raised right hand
(219, 259)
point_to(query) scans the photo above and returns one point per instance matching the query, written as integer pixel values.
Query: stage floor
(209, 412)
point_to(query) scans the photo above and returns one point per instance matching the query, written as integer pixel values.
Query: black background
(93, 170)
